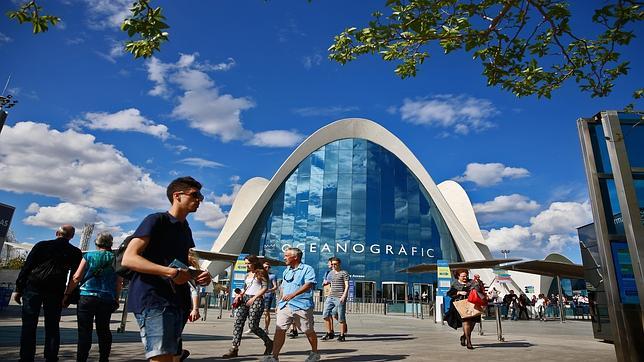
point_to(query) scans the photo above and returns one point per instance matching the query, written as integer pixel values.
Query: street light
(505, 253)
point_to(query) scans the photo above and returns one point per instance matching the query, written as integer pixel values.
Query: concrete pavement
(370, 338)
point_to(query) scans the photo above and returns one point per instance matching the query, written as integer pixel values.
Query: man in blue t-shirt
(159, 295)
(296, 305)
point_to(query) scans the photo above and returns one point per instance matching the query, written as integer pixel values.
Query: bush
(14, 263)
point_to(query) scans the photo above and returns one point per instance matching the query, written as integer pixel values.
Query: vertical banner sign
(624, 273)
(352, 290)
(6, 213)
(444, 283)
(238, 276)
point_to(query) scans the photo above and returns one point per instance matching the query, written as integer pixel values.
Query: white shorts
(303, 319)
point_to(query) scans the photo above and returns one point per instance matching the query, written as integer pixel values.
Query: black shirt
(169, 239)
(47, 266)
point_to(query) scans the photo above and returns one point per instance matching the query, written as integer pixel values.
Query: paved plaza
(370, 338)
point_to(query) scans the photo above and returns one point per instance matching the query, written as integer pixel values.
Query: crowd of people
(156, 259)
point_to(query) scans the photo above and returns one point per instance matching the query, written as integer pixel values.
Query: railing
(382, 306)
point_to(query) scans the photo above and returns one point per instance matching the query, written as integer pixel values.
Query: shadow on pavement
(378, 337)
(503, 345)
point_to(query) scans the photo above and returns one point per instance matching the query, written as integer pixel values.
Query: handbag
(467, 309)
(476, 299)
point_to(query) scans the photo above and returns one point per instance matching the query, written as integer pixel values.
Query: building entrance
(365, 292)
(395, 294)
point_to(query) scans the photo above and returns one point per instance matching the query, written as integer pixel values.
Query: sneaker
(269, 359)
(328, 336)
(184, 355)
(293, 333)
(313, 356)
(247, 331)
(341, 338)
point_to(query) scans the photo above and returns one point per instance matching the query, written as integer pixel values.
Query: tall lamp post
(505, 253)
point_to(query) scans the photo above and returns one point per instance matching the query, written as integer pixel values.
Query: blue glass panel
(330, 160)
(345, 144)
(359, 144)
(358, 212)
(359, 186)
(634, 142)
(598, 141)
(359, 161)
(317, 161)
(345, 161)
(344, 186)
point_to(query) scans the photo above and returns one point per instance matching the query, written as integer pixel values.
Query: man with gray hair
(296, 305)
(41, 282)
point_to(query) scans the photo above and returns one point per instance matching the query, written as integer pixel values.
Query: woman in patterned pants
(250, 305)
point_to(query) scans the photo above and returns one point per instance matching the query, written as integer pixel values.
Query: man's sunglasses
(195, 194)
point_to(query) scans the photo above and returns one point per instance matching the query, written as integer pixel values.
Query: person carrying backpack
(159, 295)
(100, 288)
(41, 282)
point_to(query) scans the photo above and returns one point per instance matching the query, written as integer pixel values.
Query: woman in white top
(540, 305)
(250, 304)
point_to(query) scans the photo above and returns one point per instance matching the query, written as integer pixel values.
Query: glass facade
(355, 200)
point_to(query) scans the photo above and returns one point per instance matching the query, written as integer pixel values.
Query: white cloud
(126, 120)
(107, 13)
(75, 168)
(488, 174)
(200, 162)
(116, 51)
(204, 106)
(211, 214)
(5, 38)
(461, 113)
(276, 138)
(310, 61)
(561, 218)
(512, 238)
(228, 199)
(332, 111)
(506, 203)
(552, 230)
(63, 213)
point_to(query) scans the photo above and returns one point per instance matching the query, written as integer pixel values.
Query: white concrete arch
(243, 215)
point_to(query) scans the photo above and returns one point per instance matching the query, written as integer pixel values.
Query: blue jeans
(52, 307)
(161, 330)
(332, 306)
(88, 309)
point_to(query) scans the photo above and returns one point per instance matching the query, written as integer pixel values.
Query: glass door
(365, 292)
(395, 294)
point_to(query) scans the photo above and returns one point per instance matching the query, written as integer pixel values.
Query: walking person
(336, 302)
(296, 304)
(523, 302)
(41, 282)
(460, 290)
(99, 297)
(159, 295)
(269, 296)
(251, 306)
(540, 305)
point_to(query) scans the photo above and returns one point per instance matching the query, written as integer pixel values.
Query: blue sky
(97, 135)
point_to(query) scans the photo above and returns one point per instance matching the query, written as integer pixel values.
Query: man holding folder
(159, 295)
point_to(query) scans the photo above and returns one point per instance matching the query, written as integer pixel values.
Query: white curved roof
(248, 205)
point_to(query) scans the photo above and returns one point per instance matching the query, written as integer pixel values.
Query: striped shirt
(337, 282)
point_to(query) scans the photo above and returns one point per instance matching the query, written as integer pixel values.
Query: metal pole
(121, 328)
(562, 312)
(499, 330)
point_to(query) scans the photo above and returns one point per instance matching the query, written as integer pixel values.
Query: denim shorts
(332, 306)
(268, 301)
(161, 330)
